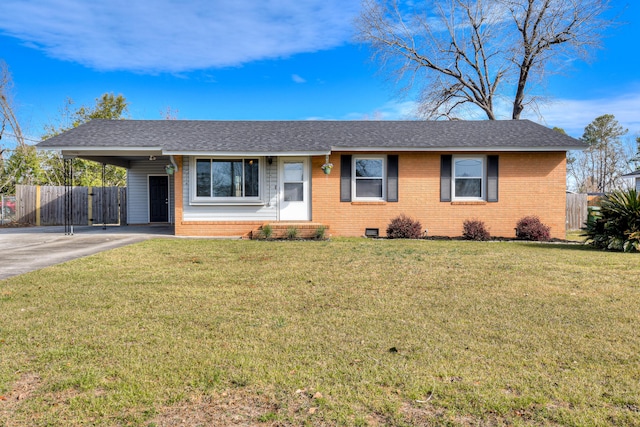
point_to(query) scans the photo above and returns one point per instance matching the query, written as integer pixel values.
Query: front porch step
(280, 229)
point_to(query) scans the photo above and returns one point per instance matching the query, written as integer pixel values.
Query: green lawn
(345, 332)
(576, 236)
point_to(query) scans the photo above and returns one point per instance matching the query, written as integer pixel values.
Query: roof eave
(246, 153)
(460, 149)
(111, 151)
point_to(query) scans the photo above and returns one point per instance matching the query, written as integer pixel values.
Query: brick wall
(529, 184)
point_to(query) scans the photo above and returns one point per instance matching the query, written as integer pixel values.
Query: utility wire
(26, 139)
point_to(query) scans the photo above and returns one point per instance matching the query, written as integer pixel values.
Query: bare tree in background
(9, 127)
(462, 53)
(169, 113)
(7, 116)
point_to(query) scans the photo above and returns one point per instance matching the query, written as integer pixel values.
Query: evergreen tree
(600, 166)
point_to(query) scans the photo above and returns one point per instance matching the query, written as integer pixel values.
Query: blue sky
(248, 60)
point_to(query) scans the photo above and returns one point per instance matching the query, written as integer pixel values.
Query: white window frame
(195, 199)
(354, 178)
(483, 184)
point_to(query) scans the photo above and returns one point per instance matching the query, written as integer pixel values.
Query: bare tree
(462, 53)
(635, 158)
(7, 116)
(9, 126)
(169, 113)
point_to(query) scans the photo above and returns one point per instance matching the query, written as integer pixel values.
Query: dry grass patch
(348, 332)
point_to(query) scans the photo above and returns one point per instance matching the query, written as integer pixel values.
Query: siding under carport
(138, 189)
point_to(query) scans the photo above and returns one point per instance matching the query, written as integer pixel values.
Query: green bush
(266, 231)
(404, 227)
(618, 226)
(531, 228)
(292, 233)
(321, 232)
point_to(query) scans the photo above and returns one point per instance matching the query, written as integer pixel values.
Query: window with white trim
(469, 178)
(227, 179)
(369, 178)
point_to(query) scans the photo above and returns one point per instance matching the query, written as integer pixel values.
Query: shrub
(618, 225)
(473, 229)
(320, 232)
(404, 227)
(292, 232)
(531, 228)
(266, 232)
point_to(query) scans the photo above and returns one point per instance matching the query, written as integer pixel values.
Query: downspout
(172, 210)
(173, 162)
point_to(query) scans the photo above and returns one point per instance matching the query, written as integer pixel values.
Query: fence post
(90, 206)
(38, 202)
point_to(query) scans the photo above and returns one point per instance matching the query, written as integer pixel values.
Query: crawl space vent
(371, 232)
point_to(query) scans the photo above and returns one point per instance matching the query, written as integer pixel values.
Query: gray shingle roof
(632, 174)
(184, 136)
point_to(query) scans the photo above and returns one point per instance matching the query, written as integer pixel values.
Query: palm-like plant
(618, 227)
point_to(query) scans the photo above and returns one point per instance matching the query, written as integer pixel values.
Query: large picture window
(469, 173)
(369, 178)
(228, 178)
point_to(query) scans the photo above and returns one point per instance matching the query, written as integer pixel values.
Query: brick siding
(528, 183)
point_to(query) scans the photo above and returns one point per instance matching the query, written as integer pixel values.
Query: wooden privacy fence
(576, 211)
(45, 205)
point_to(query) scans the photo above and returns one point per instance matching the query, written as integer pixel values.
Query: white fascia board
(457, 149)
(110, 150)
(247, 153)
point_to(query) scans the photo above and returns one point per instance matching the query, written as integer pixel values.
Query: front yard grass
(345, 332)
(576, 236)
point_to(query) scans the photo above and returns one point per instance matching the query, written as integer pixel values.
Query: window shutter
(445, 177)
(392, 178)
(492, 178)
(345, 178)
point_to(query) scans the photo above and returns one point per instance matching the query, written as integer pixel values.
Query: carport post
(104, 204)
(68, 196)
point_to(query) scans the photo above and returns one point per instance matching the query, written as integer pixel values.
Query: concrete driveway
(31, 248)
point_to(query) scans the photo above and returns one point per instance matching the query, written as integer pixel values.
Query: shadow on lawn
(561, 246)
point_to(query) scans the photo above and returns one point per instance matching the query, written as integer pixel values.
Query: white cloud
(175, 36)
(296, 78)
(573, 115)
(392, 110)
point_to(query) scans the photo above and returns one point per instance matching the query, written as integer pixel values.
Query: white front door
(294, 189)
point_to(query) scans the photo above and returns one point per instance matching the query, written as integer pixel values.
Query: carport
(149, 184)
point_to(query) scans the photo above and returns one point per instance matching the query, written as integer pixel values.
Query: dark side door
(158, 199)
